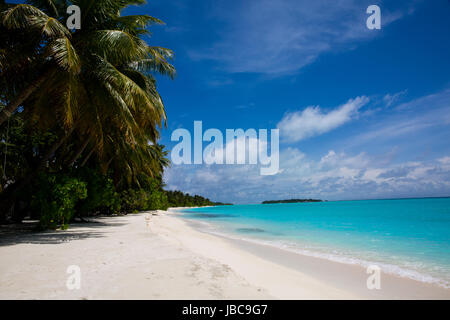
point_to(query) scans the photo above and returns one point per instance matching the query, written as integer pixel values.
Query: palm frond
(116, 46)
(136, 24)
(65, 55)
(151, 65)
(51, 7)
(49, 26)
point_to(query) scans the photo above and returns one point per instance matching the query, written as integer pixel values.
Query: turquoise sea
(407, 237)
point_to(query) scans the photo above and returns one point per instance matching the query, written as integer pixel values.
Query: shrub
(56, 199)
(135, 200)
(157, 200)
(102, 196)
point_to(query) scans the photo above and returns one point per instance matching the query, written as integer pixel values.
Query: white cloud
(332, 159)
(342, 175)
(243, 148)
(445, 160)
(219, 82)
(390, 99)
(406, 119)
(312, 121)
(281, 37)
(333, 176)
(207, 176)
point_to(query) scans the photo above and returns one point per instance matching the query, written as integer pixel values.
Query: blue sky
(362, 113)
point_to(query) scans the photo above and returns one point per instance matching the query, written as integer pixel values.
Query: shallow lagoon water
(407, 237)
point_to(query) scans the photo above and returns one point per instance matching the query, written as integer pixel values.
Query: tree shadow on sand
(26, 233)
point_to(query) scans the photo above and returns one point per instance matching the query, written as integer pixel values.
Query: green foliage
(80, 114)
(101, 197)
(13, 141)
(79, 99)
(291, 201)
(149, 196)
(180, 199)
(133, 201)
(56, 199)
(157, 200)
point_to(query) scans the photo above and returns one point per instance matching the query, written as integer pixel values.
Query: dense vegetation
(80, 114)
(291, 201)
(180, 199)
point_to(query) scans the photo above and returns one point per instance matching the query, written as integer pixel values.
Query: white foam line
(388, 268)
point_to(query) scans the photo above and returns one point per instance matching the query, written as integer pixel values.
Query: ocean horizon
(405, 237)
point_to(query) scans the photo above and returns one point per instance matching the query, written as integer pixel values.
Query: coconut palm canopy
(80, 99)
(94, 83)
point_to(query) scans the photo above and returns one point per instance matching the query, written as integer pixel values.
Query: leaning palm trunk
(79, 152)
(53, 149)
(17, 101)
(11, 193)
(87, 157)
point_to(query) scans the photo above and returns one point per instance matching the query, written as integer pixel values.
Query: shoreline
(122, 258)
(389, 269)
(351, 277)
(339, 275)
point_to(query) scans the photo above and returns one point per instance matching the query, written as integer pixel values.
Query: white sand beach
(123, 258)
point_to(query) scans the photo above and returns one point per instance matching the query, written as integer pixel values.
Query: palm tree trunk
(80, 151)
(19, 185)
(87, 157)
(109, 163)
(17, 101)
(118, 182)
(54, 148)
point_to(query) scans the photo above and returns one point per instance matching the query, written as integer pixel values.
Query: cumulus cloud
(445, 160)
(312, 121)
(333, 176)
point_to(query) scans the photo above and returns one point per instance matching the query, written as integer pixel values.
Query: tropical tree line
(80, 114)
(180, 199)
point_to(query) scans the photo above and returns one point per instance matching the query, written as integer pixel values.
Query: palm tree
(95, 84)
(24, 62)
(101, 71)
(109, 45)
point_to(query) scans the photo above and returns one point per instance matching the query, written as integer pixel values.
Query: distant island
(291, 201)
